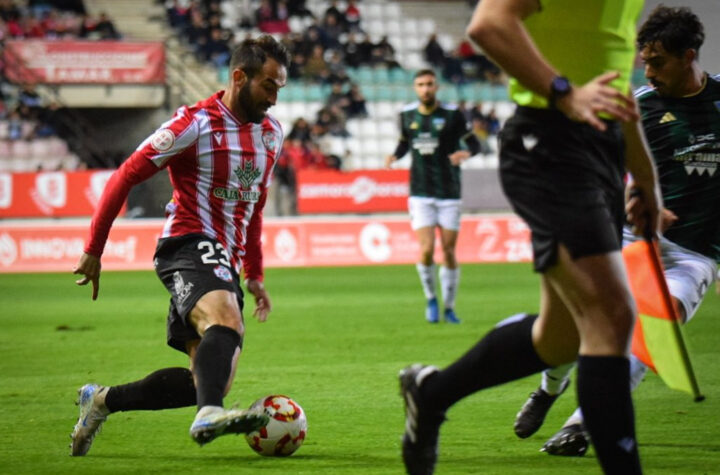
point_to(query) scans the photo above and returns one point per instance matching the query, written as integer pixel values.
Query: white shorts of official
(431, 212)
(688, 273)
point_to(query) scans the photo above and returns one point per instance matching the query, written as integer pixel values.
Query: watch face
(560, 85)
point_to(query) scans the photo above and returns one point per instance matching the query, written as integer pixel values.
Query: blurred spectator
(434, 52)
(300, 130)
(337, 96)
(383, 54)
(298, 8)
(331, 119)
(87, 26)
(351, 51)
(297, 66)
(16, 126)
(493, 123)
(352, 17)
(333, 28)
(105, 28)
(216, 49)
(264, 16)
(477, 111)
(467, 113)
(366, 49)
(29, 97)
(334, 11)
(336, 69)
(316, 159)
(178, 14)
(479, 128)
(453, 71)
(316, 67)
(285, 181)
(355, 103)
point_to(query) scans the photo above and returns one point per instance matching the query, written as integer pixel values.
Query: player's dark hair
(252, 54)
(424, 72)
(677, 29)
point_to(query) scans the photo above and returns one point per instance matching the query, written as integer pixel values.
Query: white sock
(207, 410)
(449, 280)
(427, 279)
(554, 379)
(575, 418)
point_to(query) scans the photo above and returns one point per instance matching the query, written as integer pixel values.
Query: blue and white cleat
(92, 415)
(432, 313)
(213, 421)
(450, 316)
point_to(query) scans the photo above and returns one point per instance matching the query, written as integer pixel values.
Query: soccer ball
(286, 430)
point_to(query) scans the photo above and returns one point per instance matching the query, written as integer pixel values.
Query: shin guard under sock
(603, 386)
(164, 389)
(506, 353)
(213, 363)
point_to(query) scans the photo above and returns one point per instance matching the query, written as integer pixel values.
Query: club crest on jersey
(269, 140)
(438, 123)
(163, 140)
(247, 174)
(223, 273)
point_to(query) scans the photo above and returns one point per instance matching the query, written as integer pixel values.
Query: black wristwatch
(559, 88)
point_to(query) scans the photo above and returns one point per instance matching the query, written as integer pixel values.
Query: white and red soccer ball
(286, 430)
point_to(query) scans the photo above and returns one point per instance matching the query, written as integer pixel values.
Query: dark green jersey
(431, 139)
(684, 136)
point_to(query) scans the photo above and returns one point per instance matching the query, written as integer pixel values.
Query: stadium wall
(55, 246)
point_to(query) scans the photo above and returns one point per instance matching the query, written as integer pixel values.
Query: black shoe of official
(422, 425)
(570, 441)
(532, 414)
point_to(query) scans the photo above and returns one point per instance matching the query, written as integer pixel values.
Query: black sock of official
(213, 363)
(506, 353)
(164, 389)
(603, 387)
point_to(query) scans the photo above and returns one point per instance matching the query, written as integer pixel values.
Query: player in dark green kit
(437, 136)
(681, 118)
(563, 156)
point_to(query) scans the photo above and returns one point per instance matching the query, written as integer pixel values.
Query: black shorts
(565, 179)
(191, 266)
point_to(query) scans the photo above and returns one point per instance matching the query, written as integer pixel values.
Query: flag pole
(654, 254)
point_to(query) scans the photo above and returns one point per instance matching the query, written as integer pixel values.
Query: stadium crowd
(29, 123)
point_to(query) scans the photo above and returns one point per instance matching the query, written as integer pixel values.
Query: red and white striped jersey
(220, 170)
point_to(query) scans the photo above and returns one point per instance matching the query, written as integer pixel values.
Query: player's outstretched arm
(89, 266)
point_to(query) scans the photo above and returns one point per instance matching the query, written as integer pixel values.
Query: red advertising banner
(363, 191)
(51, 194)
(84, 62)
(32, 247)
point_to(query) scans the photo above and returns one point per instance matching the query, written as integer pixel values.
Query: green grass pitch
(335, 341)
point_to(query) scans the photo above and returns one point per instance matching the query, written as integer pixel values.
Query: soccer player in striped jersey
(438, 138)
(681, 119)
(219, 154)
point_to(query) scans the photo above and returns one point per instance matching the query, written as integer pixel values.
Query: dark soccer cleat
(570, 441)
(532, 414)
(422, 425)
(432, 312)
